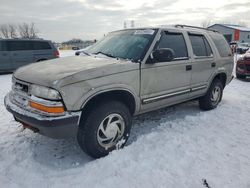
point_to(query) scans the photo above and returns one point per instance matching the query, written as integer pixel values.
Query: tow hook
(26, 126)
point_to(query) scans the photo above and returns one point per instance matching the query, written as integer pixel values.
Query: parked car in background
(241, 48)
(75, 48)
(129, 72)
(243, 66)
(15, 53)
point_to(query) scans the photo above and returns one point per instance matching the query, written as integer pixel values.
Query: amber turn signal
(48, 109)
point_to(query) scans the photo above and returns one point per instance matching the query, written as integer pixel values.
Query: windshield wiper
(106, 54)
(86, 53)
(77, 53)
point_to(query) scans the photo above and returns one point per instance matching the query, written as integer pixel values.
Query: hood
(51, 73)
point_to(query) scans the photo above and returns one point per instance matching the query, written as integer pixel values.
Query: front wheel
(212, 97)
(106, 127)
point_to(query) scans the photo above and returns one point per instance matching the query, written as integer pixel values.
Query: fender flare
(103, 89)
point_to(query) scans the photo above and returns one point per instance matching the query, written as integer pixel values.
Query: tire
(239, 76)
(41, 60)
(212, 97)
(98, 134)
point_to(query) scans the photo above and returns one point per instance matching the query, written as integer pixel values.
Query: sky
(61, 20)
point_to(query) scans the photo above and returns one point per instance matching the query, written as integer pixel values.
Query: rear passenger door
(203, 63)
(5, 61)
(21, 52)
(165, 83)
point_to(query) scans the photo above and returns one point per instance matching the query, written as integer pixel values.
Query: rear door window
(40, 45)
(19, 45)
(200, 45)
(176, 42)
(3, 46)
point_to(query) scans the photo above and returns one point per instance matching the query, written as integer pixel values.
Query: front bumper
(52, 126)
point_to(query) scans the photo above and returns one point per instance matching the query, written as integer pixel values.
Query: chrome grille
(20, 87)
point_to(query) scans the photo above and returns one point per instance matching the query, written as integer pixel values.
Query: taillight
(56, 53)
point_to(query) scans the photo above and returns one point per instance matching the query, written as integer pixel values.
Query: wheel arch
(123, 95)
(220, 76)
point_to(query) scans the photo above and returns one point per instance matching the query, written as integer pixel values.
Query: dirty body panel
(74, 81)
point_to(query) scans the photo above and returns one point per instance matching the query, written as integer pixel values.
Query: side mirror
(163, 55)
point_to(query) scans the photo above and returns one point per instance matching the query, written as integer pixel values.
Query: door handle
(213, 64)
(188, 67)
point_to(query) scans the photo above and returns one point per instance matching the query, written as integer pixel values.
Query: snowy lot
(176, 147)
(66, 53)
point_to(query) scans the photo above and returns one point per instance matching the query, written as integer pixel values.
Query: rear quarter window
(221, 45)
(41, 45)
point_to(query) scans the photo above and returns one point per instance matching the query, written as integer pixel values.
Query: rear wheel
(212, 97)
(41, 60)
(105, 128)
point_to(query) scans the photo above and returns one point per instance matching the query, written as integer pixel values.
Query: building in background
(75, 44)
(233, 32)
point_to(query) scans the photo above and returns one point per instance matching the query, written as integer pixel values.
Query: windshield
(126, 44)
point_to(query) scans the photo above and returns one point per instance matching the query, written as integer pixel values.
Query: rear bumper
(52, 126)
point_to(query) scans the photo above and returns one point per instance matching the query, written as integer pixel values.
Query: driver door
(167, 83)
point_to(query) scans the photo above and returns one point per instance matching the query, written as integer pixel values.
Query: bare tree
(206, 23)
(4, 31)
(12, 31)
(33, 31)
(28, 31)
(23, 30)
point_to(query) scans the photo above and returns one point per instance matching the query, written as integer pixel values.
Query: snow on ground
(66, 53)
(175, 147)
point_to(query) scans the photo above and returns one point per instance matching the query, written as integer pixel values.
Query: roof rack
(196, 27)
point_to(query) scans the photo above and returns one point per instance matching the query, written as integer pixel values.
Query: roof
(24, 39)
(231, 26)
(178, 26)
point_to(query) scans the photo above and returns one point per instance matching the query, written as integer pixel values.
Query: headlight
(44, 92)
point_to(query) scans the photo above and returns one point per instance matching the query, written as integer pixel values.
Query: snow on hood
(49, 73)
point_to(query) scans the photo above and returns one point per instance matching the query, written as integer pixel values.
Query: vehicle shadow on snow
(146, 123)
(65, 154)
